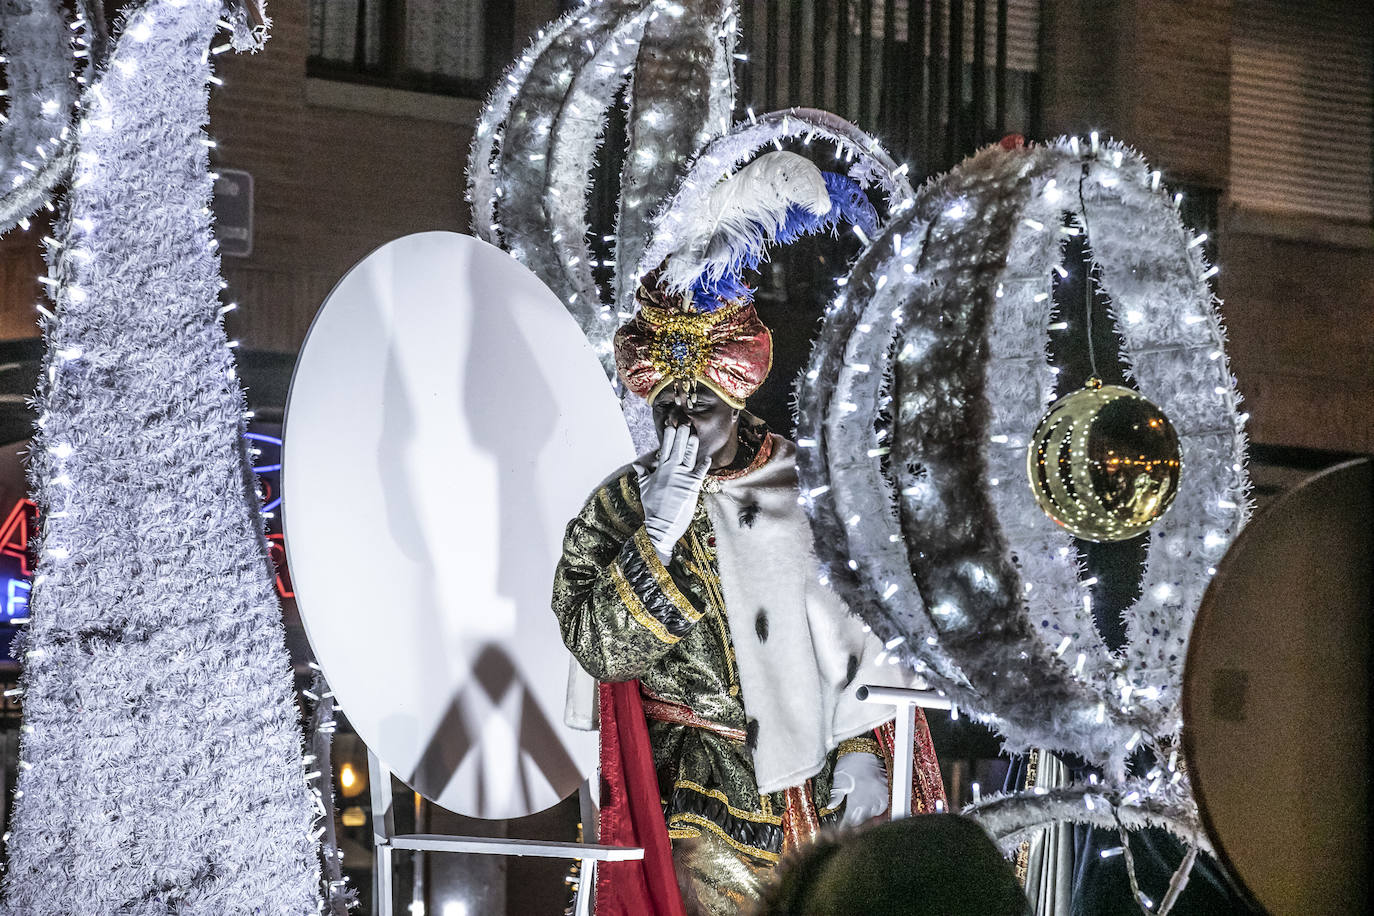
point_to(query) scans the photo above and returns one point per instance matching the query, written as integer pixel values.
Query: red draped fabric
(927, 786)
(632, 813)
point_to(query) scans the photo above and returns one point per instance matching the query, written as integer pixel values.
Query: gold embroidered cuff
(654, 564)
(860, 744)
(649, 593)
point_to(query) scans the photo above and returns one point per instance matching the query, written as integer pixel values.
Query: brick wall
(1299, 297)
(332, 181)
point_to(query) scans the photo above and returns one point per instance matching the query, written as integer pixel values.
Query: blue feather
(848, 204)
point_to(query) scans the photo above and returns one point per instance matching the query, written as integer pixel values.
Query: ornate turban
(670, 339)
(696, 321)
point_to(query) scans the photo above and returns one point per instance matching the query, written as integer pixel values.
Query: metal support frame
(385, 840)
(904, 751)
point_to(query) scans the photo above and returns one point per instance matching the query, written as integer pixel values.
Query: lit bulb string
(483, 161)
(528, 174)
(48, 57)
(1087, 274)
(864, 552)
(71, 255)
(575, 136)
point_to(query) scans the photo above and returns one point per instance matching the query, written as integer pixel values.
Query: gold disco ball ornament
(1104, 462)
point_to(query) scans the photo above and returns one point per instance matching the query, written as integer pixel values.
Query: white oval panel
(446, 419)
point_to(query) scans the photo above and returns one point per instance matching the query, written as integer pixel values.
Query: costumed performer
(689, 588)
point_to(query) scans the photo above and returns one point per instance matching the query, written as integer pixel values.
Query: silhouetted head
(928, 865)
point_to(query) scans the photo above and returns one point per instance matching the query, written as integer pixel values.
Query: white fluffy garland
(483, 157)
(36, 146)
(535, 233)
(1013, 818)
(962, 283)
(161, 757)
(538, 137)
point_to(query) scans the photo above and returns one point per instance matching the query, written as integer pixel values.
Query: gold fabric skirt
(715, 879)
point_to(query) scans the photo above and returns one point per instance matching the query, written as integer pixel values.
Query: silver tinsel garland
(931, 533)
(537, 140)
(36, 140)
(162, 769)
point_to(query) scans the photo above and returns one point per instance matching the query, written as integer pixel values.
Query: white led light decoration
(161, 736)
(537, 140)
(965, 396)
(44, 53)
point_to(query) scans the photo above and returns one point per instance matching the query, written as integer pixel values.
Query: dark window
(454, 47)
(932, 79)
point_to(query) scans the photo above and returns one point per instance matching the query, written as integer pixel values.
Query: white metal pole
(383, 829)
(904, 752)
(903, 761)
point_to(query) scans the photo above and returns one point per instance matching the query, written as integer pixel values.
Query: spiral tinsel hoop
(930, 533)
(41, 55)
(1012, 819)
(537, 141)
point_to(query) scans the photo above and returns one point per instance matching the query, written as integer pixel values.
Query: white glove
(669, 492)
(860, 779)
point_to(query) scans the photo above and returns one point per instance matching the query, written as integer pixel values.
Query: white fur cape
(800, 653)
(793, 637)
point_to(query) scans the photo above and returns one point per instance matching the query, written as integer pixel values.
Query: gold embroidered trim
(636, 607)
(1023, 851)
(859, 744)
(754, 816)
(698, 820)
(631, 493)
(715, 598)
(603, 496)
(660, 574)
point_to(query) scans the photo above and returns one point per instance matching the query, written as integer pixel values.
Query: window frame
(497, 42)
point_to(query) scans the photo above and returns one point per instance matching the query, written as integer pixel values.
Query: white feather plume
(741, 215)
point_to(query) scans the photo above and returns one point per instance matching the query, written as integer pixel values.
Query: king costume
(728, 669)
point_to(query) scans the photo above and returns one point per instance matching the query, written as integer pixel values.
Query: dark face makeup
(715, 422)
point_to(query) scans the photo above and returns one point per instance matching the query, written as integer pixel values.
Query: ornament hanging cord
(1087, 272)
(1176, 884)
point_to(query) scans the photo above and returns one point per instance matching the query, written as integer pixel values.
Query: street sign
(233, 206)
